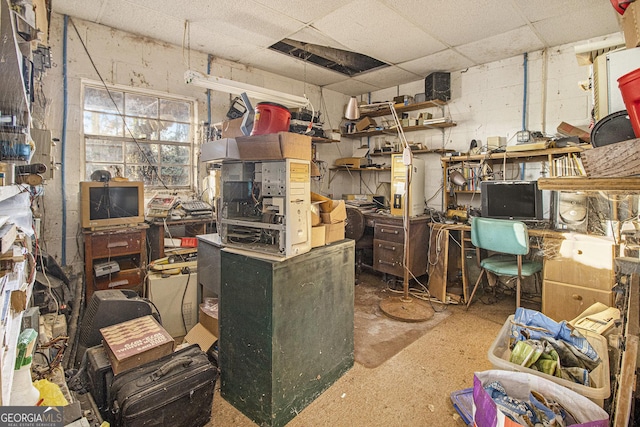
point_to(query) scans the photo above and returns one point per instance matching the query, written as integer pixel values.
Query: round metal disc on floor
(411, 310)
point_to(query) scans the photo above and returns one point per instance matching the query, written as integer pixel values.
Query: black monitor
(521, 200)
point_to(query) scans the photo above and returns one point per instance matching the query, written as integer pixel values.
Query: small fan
(572, 207)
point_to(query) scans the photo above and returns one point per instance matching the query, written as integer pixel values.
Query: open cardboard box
(221, 149)
(275, 146)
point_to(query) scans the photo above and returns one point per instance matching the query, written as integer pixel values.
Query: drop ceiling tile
(387, 77)
(455, 23)
(446, 60)
(371, 28)
(281, 64)
(311, 35)
(204, 39)
(501, 46)
(564, 29)
(351, 87)
(537, 10)
(305, 12)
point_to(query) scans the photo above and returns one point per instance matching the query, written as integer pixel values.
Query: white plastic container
(600, 390)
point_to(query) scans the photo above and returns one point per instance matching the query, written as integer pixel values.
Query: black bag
(176, 390)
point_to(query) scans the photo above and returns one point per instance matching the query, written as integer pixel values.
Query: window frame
(194, 134)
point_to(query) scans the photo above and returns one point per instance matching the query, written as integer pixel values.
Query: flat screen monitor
(520, 200)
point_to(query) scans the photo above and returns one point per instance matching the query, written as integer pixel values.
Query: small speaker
(438, 86)
(570, 211)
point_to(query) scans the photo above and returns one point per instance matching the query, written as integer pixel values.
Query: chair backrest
(500, 235)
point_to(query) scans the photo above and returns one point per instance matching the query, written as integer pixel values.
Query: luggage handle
(179, 362)
(170, 366)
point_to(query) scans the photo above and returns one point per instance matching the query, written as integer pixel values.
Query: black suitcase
(176, 390)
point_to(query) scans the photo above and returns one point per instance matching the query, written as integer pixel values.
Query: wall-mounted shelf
(385, 111)
(335, 169)
(392, 131)
(472, 167)
(389, 153)
(317, 139)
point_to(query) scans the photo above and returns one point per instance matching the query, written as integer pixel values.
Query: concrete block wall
(133, 61)
(486, 101)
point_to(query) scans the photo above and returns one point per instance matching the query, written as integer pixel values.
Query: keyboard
(196, 207)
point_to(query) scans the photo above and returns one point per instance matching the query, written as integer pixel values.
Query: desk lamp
(405, 307)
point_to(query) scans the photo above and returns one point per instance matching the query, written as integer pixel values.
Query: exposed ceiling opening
(343, 61)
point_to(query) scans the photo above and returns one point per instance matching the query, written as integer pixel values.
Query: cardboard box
(358, 159)
(200, 335)
(631, 25)
(275, 146)
(208, 317)
(334, 232)
(135, 342)
(325, 203)
(353, 162)
(318, 235)
(365, 123)
(231, 128)
(221, 149)
(315, 214)
(337, 213)
(566, 129)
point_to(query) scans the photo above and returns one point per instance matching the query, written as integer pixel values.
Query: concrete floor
(410, 389)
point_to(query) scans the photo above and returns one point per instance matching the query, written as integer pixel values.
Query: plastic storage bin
(499, 354)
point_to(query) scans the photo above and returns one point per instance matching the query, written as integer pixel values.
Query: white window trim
(194, 185)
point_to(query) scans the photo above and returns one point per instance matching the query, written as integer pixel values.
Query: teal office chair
(508, 243)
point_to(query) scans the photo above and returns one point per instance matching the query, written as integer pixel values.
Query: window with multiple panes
(144, 137)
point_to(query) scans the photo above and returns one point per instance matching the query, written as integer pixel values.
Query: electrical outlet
(523, 136)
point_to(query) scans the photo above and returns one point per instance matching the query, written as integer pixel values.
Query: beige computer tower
(398, 186)
(168, 295)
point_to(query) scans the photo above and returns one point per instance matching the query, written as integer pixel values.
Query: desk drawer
(387, 257)
(116, 244)
(561, 301)
(391, 233)
(586, 263)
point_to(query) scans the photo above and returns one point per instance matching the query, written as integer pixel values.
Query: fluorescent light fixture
(237, 88)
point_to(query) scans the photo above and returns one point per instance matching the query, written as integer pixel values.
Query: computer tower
(398, 186)
(570, 211)
(438, 86)
(176, 299)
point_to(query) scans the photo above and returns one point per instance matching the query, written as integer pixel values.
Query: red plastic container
(270, 118)
(630, 89)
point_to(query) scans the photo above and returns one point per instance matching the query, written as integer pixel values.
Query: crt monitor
(521, 200)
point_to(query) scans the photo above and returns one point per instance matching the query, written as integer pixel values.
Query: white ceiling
(416, 37)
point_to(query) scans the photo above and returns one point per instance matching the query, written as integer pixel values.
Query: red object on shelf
(188, 242)
(630, 89)
(270, 118)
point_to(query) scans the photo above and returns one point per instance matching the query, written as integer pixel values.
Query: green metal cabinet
(286, 329)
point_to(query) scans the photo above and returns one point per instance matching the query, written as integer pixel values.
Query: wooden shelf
(516, 154)
(579, 183)
(317, 139)
(385, 111)
(389, 153)
(392, 131)
(345, 168)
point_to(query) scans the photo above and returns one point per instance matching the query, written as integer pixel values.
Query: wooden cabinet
(126, 246)
(388, 245)
(578, 271)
